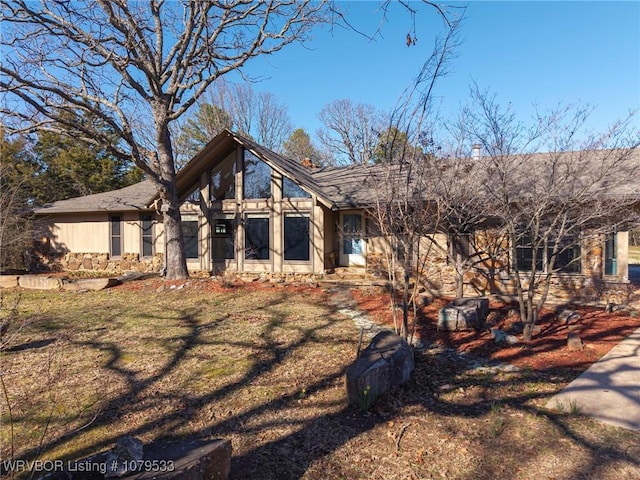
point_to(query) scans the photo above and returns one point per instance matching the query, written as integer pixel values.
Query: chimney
(306, 162)
(475, 151)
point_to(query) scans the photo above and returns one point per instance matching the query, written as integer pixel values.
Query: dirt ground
(599, 331)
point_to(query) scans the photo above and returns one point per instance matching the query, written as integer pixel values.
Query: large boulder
(463, 314)
(384, 365)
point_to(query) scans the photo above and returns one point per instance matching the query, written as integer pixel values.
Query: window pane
(147, 235)
(296, 238)
(568, 260)
(190, 232)
(525, 256)
(257, 238)
(257, 177)
(223, 181)
(290, 189)
(223, 239)
(115, 225)
(352, 234)
(147, 247)
(611, 255)
(116, 238)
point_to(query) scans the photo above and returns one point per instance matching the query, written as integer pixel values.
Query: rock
(513, 313)
(502, 337)
(384, 365)
(568, 316)
(89, 283)
(517, 328)
(492, 319)
(187, 460)
(38, 282)
(574, 342)
(452, 318)
(423, 300)
(481, 304)
(124, 458)
(463, 314)
(8, 281)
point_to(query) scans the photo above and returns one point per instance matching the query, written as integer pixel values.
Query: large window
(223, 239)
(257, 177)
(566, 260)
(116, 235)
(256, 239)
(190, 232)
(146, 221)
(223, 179)
(296, 237)
(290, 189)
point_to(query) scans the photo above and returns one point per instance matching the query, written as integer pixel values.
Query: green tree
(298, 147)
(209, 121)
(67, 167)
(16, 226)
(393, 146)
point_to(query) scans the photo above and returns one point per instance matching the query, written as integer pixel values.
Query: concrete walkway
(610, 389)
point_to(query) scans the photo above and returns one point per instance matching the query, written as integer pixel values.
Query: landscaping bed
(600, 332)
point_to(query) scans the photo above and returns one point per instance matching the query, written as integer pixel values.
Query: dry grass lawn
(262, 365)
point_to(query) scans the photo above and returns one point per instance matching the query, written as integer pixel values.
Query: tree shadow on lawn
(308, 438)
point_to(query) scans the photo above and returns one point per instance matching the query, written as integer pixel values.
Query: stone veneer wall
(493, 275)
(102, 262)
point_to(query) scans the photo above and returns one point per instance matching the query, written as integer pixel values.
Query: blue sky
(541, 52)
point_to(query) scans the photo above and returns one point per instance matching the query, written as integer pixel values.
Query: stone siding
(101, 262)
(492, 274)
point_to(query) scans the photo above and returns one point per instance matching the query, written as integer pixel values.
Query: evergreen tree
(298, 147)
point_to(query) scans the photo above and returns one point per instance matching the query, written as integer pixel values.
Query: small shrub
(365, 400)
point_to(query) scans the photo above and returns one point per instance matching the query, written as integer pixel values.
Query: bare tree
(406, 208)
(551, 204)
(350, 131)
(237, 106)
(137, 67)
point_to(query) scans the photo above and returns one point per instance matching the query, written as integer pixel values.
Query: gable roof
(335, 187)
(136, 197)
(223, 144)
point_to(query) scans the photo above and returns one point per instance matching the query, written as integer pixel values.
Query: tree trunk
(530, 322)
(459, 276)
(175, 258)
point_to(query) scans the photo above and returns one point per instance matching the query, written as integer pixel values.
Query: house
(247, 209)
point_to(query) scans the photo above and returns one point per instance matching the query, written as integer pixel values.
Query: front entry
(352, 245)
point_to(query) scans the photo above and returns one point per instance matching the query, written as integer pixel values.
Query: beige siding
(623, 255)
(78, 233)
(91, 233)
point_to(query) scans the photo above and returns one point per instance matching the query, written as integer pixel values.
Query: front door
(352, 249)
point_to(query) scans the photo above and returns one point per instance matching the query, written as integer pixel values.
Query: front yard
(262, 365)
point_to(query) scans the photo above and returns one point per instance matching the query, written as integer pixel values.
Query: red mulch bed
(599, 331)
